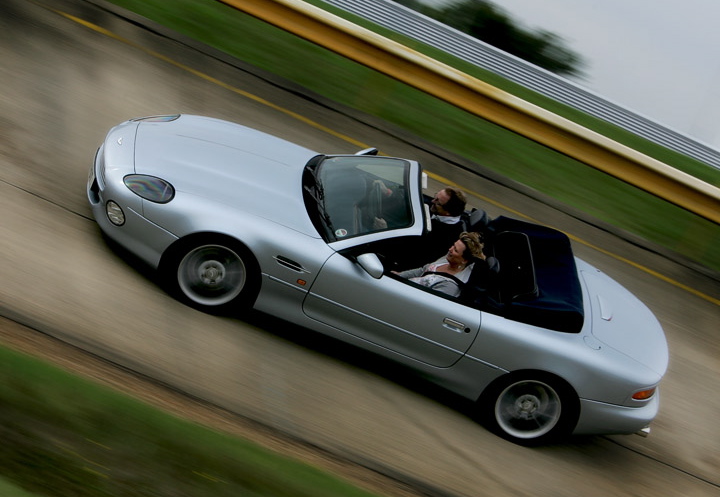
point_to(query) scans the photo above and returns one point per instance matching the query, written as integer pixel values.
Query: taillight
(644, 394)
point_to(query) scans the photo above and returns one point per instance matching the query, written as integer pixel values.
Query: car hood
(621, 321)
(227, 163)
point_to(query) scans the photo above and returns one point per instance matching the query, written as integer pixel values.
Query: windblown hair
(474, 244)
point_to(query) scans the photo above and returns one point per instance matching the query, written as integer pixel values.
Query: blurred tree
(485, 21)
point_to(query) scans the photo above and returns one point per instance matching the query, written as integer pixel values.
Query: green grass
(65, 436)
(476, 139)
(8, 489)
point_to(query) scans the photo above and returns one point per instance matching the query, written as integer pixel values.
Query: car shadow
(356, 357)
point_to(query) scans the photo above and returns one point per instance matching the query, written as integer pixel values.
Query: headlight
(115, 213)
(150, 188)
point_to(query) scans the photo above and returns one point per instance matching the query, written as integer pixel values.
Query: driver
(446, 209)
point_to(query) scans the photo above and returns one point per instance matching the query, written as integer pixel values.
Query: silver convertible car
(544, 344)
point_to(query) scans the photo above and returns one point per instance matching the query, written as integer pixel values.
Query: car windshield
(359, 194)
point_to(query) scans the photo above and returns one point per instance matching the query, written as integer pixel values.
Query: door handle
(456, 326)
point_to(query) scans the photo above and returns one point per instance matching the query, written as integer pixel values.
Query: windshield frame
(336, 189)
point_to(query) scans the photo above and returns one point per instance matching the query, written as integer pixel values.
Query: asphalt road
(65, 82)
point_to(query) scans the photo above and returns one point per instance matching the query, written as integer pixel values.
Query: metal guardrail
(417, 26)
(479, 98)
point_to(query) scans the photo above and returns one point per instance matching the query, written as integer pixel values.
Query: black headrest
(475, 220)
(493, 264)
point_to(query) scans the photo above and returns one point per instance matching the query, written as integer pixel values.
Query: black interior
(529, 274)
(536, 281)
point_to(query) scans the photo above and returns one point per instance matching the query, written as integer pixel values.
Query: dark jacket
(434, 244)
(441, 238)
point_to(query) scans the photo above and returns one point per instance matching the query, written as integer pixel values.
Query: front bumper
(139, 235)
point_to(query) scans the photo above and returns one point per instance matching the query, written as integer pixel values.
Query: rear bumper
(599, 418)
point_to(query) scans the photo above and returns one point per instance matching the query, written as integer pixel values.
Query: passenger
(449, 273)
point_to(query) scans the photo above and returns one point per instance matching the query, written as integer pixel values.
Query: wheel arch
(199, 237)
(529, 373)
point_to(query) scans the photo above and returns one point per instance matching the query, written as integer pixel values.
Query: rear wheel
(213, 274)
(530, 409)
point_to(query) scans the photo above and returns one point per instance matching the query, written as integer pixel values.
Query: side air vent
(290, 264)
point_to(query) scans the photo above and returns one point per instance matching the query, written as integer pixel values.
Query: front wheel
(530, 409)
(213, 275)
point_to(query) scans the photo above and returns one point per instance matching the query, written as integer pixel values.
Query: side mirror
(371, 264)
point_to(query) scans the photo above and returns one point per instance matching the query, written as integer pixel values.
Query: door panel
(391, 313)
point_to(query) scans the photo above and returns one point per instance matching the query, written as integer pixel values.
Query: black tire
(530, 408)
(214, 274)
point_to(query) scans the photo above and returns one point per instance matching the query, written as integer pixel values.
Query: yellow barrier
(488, 102)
